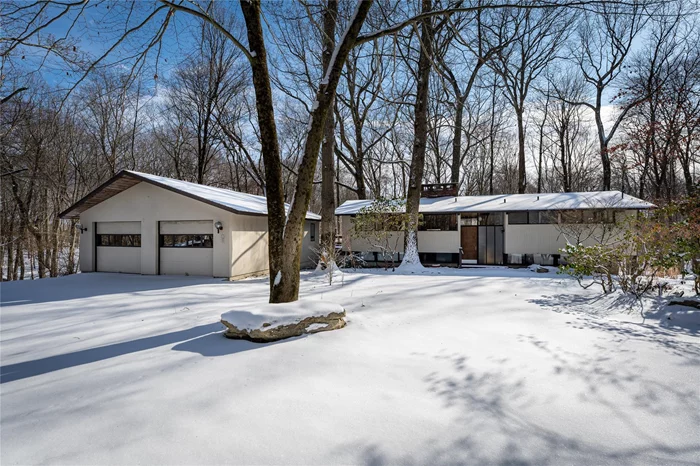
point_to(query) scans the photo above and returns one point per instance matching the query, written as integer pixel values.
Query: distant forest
(498, 97)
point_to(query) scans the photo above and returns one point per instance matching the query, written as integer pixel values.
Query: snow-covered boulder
(271, 322)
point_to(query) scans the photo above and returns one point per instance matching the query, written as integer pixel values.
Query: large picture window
(438, 222)
(186, 241)
(120, 241)
(533, 217)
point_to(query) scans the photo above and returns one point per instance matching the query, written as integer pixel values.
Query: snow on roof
(516, 202)
(240, 202)
(226, 199)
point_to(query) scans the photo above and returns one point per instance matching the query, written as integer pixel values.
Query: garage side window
(122, 241)
(312, 231)
(186, 241)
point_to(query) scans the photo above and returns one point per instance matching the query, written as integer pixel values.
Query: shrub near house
(648, 246)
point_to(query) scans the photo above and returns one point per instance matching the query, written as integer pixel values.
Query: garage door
(187, 248)
(118, 247)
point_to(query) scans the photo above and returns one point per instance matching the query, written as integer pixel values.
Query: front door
(470, 245)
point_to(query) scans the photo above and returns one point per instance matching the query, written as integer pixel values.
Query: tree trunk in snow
(327, 236)
(286, 231)
(420, 129)
(522, 181)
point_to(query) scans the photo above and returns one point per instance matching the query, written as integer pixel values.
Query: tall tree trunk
(286, 231)
(420, 139)
(457, 142)
(522, 181)
(71, 249)
(327, 236)
(276, 215)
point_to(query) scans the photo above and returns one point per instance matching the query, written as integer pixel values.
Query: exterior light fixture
(218, 225)
(80, 227)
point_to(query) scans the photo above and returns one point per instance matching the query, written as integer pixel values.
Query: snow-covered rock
(271, 322)
(538, 268)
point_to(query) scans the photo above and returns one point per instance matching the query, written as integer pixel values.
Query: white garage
(186, 247)
(118, 247)
(152, 225)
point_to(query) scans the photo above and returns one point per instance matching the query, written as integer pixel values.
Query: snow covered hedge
(271, 322)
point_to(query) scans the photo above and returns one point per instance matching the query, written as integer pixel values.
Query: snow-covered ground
(476, 366)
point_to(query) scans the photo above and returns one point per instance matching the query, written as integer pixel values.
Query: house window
(122, 241)
(312, 231)
(517, 218)
(588, 216)
(438, 222)
(572, 216)
(186, 241)
(542, 217)
(491, 219)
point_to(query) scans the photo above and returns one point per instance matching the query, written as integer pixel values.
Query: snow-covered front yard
(474, 366)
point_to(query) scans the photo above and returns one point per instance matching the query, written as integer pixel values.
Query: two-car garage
(185, 247)
(151, 225)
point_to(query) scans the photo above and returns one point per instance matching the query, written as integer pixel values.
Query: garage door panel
(118, 228)
(118, 247)
(186, 248)
(187, 261)
(123, 260)
(190, 227)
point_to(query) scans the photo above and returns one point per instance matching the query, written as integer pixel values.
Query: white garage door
(118, 247)
(187, 248)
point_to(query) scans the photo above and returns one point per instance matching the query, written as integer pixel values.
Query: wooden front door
(470, 247)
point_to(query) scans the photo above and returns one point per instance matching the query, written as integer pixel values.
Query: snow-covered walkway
(472, 366)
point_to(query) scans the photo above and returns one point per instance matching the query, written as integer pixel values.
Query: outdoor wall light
(80, 227)
(218, 226)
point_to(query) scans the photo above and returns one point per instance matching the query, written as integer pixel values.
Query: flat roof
(226, 199)
(516, 202)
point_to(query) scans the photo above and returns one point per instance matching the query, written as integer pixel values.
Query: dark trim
(144, 179)
(118, 234)
(163, 235)
(85, 198)
(94, 247)
(158, 248)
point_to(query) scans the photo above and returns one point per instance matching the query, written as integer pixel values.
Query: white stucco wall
(249, 246)
(549, 239)
(149, 204)
(428, 241)
(309, 254)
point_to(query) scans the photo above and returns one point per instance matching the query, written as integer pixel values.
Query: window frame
(112, 238)
(446, 222)
(312, 232)
(189, 242)
(519, 212)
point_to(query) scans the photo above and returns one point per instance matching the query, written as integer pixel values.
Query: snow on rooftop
(240, 202)
(516, 202)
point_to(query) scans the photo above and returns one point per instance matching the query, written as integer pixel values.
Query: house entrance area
(482, 238)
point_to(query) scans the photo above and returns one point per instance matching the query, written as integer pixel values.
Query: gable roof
(232, 201)
(516, 202)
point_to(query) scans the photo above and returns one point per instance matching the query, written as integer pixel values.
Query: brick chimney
(439, 190)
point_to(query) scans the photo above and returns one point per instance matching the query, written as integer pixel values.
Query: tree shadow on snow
(590, 313)
(494, 425)
(89, 285)
(206, 339)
